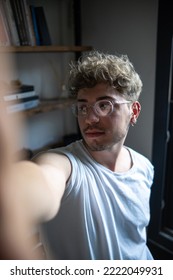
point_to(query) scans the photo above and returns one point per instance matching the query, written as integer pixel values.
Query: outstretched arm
(30, 192)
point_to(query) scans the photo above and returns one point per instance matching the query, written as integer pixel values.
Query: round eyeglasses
(101, 108)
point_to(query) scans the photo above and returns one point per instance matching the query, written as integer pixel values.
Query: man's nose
(91, 117)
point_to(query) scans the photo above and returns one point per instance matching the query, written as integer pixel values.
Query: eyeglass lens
(101, 108)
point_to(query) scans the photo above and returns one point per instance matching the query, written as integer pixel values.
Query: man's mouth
(92, 133)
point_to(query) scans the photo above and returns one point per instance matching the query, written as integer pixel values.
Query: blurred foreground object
(15, 241)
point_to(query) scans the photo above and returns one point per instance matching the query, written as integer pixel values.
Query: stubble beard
(105, 145)
(97, 146)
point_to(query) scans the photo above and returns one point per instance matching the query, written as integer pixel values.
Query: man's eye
(82, 108)
(104, 106)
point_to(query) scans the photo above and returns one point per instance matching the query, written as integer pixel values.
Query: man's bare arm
(29, 192)
(32, 194)
(56, 169)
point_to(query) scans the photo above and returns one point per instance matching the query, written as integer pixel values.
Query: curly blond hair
(96, 67)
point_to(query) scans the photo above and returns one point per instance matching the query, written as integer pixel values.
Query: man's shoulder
(72, 148)
(73, 151)
(143, 165)
(140, 159)
(138, 154)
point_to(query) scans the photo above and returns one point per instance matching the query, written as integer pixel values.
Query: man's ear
(136, 109)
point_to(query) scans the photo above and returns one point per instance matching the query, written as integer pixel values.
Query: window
(160, 232)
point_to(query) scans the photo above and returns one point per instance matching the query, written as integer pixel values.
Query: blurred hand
(16, 240)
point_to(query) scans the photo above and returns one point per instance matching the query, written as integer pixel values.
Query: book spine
(24, 88)
(22, 106)
(24, 21)
(11, 22)
(29, 23)
(18, 20)
(4, 32)
(23, 100)
(34, 20)
(42, 25)
(23, 24)
(19, 96)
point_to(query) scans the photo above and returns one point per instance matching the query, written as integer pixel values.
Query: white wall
(127, 27)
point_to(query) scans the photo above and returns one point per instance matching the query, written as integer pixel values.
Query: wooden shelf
(35, 49)
(49, 105)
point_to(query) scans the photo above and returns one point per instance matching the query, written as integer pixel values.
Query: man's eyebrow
(97, 99)
(82, 100)
(105, 97)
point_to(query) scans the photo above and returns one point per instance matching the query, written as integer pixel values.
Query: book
(35, 26)
(21, 9)
(24, 104)
(26, 24)
(4, 31)
(42, 26)
(29, 23)
(20, 22)
(18, 96)
(11, 23)
(17, 93)
(23, 100)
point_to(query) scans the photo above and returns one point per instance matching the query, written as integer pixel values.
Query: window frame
(160, 239)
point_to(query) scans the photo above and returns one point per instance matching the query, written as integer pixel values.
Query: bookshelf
(46, 105)
(66, 47)
(49, 105)
(34, 62)
(42, 49)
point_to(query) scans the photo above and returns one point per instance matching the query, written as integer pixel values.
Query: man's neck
(117, 159)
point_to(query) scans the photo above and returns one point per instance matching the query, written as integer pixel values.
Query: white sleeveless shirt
(103, 214)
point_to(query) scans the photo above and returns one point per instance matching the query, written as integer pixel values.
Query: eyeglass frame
(112, 102)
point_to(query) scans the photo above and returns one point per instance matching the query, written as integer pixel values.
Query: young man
(92, 195)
